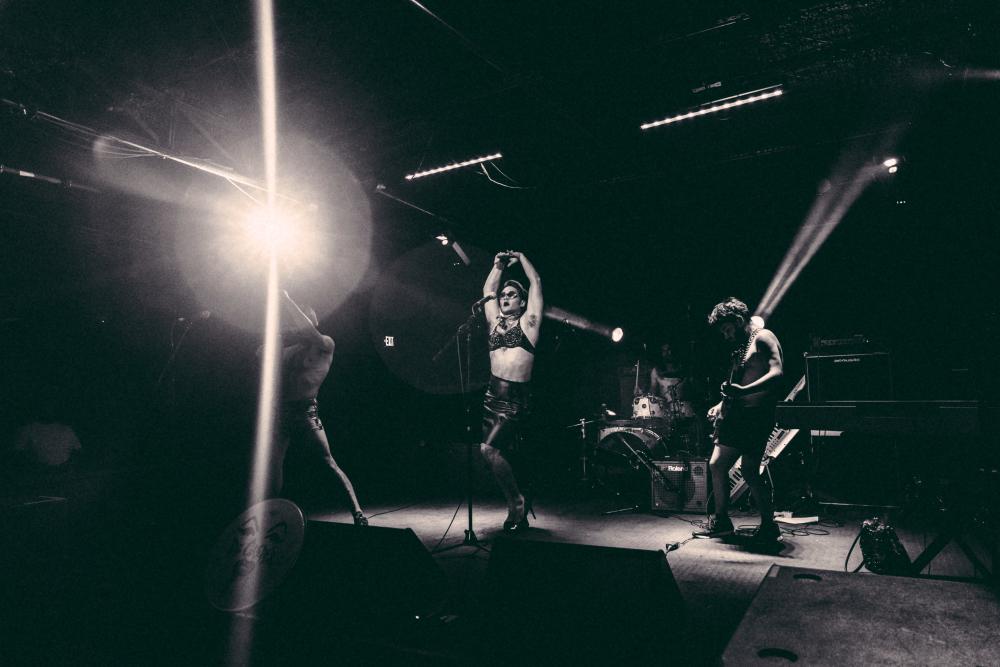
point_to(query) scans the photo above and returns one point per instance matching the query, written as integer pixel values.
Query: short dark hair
(731, 310)
(518, 286)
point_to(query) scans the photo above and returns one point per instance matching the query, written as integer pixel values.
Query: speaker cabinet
(556, 603)
(371, 572)
(681, 486)
(271, 563)
(823, 617)
(313, 592)
(848, 377)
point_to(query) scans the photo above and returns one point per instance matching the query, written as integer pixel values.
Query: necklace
(506, 321)
(740, 354)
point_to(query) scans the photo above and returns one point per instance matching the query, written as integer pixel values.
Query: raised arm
(500, 261)
(532, 317)
(303, 325)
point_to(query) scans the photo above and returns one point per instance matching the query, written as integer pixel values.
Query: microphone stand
(465, 378)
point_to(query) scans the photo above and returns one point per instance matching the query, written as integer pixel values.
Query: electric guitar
(739, 360)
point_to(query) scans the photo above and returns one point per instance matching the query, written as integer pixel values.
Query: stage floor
(717, 578)
(124, 581)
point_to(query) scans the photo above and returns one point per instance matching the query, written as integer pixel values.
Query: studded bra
(513, 337)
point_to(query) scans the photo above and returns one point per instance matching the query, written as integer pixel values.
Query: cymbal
(584, 422)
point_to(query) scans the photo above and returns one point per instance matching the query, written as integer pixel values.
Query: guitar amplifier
(865, 376)
(683, 487)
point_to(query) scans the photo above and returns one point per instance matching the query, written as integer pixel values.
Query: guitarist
(744, 417)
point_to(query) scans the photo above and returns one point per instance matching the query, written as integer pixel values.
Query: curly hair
(730, 310)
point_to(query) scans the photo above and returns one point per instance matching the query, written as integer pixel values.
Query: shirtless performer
(745, 416)
(306, 358)
(514, 319)
(667, 377)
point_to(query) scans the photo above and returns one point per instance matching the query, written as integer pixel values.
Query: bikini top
(512, 337)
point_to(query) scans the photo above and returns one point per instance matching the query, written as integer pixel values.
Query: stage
(124, 582)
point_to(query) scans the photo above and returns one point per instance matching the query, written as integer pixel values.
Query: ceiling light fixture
(720, 105)
(454, 165)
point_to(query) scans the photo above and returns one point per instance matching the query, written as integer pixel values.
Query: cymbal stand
(584, 459)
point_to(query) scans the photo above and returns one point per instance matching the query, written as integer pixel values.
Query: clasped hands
(506, 258)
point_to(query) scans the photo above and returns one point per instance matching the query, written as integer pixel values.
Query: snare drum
(647, 406)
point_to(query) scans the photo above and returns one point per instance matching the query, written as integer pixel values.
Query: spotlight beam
(826, 214)
(584, 324)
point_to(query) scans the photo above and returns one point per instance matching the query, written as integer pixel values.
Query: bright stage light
(893, 169)
(584, 324)
(298, 237)
(442, 238)
(757, 322)
(720, 105)
(890, 162)
(270, 231)
(453, 165)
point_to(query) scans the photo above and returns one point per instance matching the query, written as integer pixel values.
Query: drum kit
(660, 428)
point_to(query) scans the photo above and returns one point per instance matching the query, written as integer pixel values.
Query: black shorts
(505, 407)
(747, 429)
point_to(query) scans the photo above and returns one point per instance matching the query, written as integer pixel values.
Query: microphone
(483, 300)
(203, 315)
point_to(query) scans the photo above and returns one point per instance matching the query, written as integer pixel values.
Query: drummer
(666, 379)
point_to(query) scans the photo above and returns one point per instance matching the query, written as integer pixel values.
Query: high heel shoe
(511, 527)
(521, 525)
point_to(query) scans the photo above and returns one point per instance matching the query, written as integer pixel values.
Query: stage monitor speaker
(272, 564)
(684, 487)
(313, 592)
(558, 603)
(364, 572)
(848, 377)
(821, 617)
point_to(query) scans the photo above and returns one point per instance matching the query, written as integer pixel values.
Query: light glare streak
(268, 95)
(269, 367)
(241, 638)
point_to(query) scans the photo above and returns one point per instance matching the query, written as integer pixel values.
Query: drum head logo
(254, 554)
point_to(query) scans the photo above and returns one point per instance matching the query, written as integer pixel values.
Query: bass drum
(619, 445)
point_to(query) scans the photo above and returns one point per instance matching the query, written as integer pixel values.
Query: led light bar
(720, 105)
(454, 165)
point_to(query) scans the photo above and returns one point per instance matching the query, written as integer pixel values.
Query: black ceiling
(626, 225)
